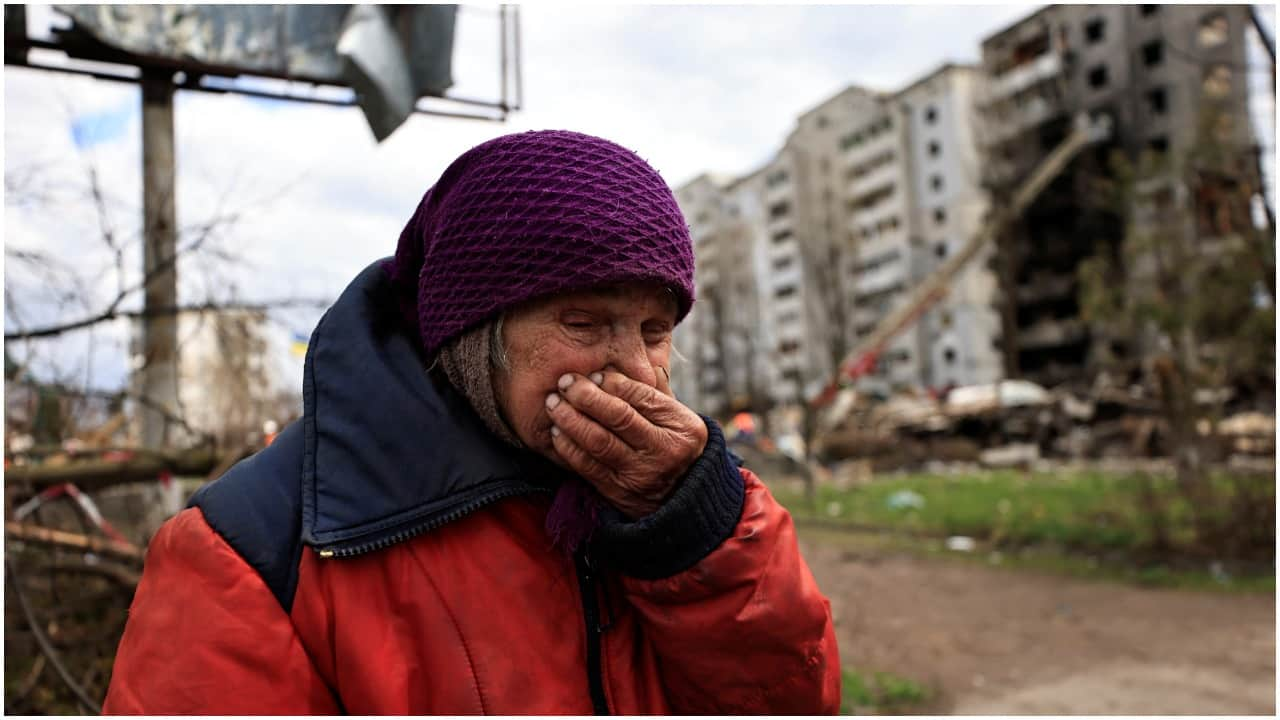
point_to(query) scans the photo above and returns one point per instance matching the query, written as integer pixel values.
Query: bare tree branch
(113, 313)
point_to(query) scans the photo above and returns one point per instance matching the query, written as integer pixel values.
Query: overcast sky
(691, 89)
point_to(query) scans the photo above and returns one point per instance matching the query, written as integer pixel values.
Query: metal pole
(158, 376)
(503, 81)
(519, 62)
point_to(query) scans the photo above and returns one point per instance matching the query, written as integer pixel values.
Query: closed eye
(656, 332)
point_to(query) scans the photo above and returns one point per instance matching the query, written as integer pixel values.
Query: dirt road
(995, 642)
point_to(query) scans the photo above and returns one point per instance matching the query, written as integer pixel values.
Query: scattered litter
(1219, 573)
(904, 499)
(1010, 455)
(961, 543)
(834, 508)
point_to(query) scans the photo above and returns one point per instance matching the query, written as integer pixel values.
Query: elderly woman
(493, 502)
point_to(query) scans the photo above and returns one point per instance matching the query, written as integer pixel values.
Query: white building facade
(958, 338)
(801, 259)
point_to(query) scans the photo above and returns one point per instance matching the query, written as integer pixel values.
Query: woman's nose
(629, 356)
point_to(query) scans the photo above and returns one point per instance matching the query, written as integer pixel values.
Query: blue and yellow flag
(298, 347)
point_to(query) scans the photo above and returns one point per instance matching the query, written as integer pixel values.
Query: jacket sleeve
(735, 617)
(205, 636)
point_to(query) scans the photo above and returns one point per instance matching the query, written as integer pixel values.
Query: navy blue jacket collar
(388, 449)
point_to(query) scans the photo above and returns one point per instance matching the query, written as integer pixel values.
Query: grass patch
(1078, 509)
(1088, 523)
(878, 693)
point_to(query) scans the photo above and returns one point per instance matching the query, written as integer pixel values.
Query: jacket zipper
(591, 616)
(338, 551)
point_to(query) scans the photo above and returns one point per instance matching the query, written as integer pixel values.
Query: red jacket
(358, 565)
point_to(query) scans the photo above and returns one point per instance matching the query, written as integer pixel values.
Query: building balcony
(869, 282)
(788, 276)
(1048, 65)
(781, 222)
(781, 191)
(1019, 119)
(1052, 333)
(888, 174)
(866, 150)
(883, 242)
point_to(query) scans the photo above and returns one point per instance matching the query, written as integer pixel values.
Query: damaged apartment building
(1155, 70)
(872, 191)
(800, 259)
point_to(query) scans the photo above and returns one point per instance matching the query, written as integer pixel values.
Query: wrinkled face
(626, 328)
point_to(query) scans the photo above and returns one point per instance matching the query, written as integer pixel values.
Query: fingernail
(552, 401)
(565, 381)
(597, 378)
(555, 431)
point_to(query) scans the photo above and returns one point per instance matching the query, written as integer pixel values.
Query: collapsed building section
(1160, 73)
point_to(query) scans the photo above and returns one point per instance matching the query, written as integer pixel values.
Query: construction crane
(863, 358)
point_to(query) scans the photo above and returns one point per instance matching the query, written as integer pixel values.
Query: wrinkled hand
(633, 442)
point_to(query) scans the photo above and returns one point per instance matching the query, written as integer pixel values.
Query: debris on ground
(1018, 424)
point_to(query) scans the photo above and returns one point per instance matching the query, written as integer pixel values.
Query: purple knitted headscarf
(533, 214)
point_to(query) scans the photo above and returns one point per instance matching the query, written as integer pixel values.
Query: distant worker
(745, 425)
(269, 431)
(493, 502)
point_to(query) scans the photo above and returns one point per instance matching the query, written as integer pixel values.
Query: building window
(1153, 53)
(786, 347)
(784, 291)
(888, 224)
(1158, 101)
(822, 121)
(949, 356)
(1095, 31)
(1213, 31)
(1098, 77)
(931, 115)
(782, 263)
(1217, 81)
(935, 182)
(940, 216)
(775, 178)
(782, 236)
(778, 210)
(940, 250)
(1148, 10)
(935, 148)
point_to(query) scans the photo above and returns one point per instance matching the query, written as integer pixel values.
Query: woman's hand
(630, 440)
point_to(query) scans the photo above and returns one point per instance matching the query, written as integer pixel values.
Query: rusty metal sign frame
(186, 74)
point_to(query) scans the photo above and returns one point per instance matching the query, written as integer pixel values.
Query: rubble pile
(1016, 423)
